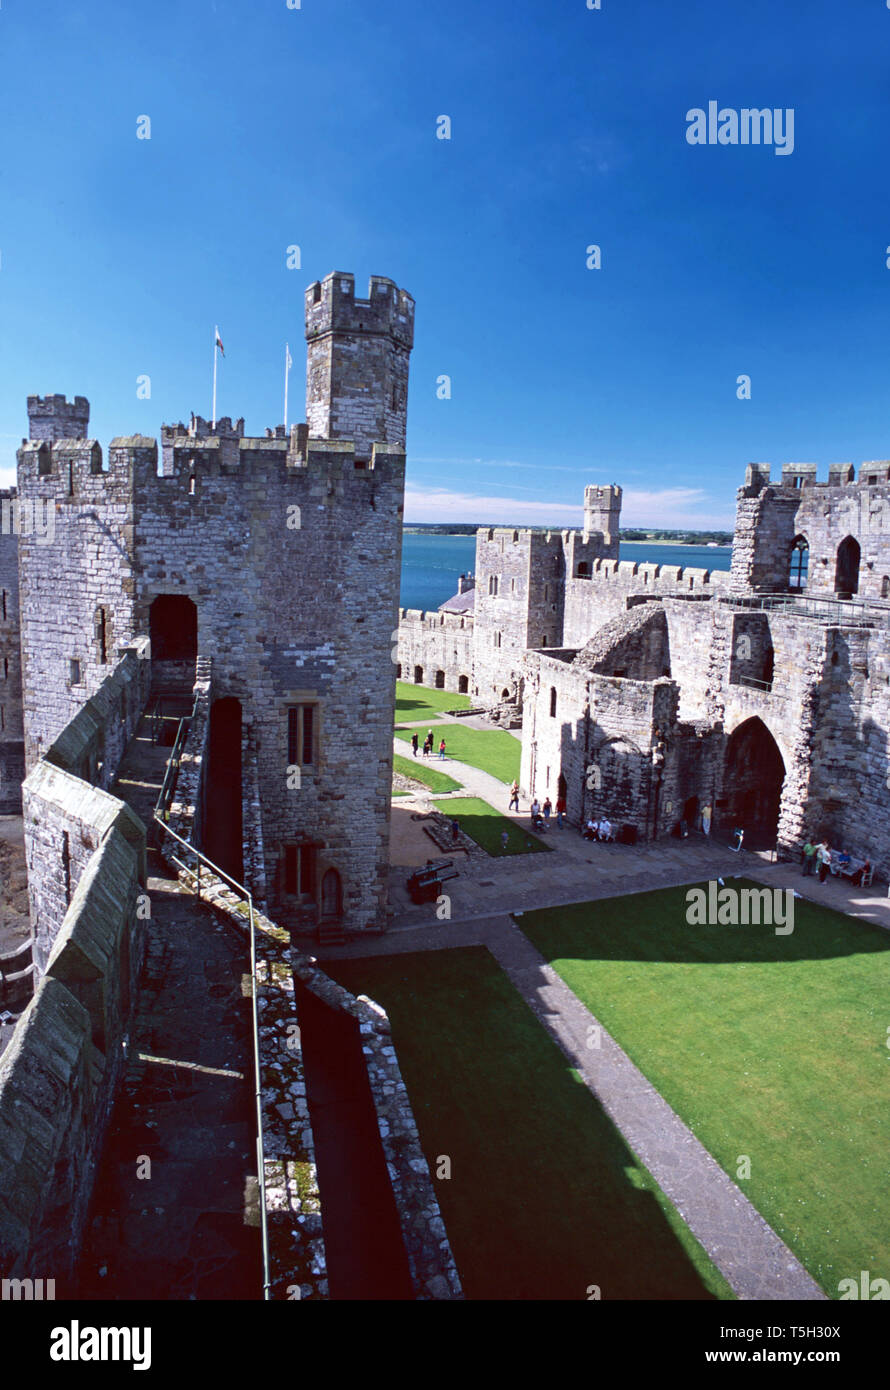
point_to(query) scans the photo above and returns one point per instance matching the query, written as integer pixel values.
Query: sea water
(431, 564)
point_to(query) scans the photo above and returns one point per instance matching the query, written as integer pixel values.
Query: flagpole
(215, 340)
(286, 372)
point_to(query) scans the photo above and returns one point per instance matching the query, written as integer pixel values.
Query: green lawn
(419, 768)
(420, 701)
(774, 1047)
(492, 750)
(545, 1198)
(484, 825)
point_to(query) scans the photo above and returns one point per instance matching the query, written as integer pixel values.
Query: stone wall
(357, 362)
(635, 644)
(293, 1200)
(614, 585)
(436, 642)
(598, 733)
(77, 589)
(12, 738)
(771, 517)
(431, 1263)
(289, 549)
(61, 1070)
(284, 609)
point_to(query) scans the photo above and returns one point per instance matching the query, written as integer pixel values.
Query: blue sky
(317, 127)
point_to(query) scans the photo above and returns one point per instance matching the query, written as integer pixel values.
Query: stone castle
(241, 592)
(649, 693)
(238, 594)
(263, 555)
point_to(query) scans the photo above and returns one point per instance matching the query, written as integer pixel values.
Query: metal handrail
(798, 603)
(245, 893)
(174, 760)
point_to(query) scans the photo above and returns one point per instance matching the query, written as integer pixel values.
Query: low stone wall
(92, 744)
(65, 822)
(293, 1201)
(61, 1070)
(433, 1271)
(186, 815)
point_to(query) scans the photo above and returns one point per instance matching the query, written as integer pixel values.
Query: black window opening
(301, 723)
(301, 870)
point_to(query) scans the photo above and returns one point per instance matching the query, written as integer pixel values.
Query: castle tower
(602, 512)
(54, 417)
(357, 362)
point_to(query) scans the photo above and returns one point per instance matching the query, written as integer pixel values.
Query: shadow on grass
(545, 1199)
(653, 927)
(403, 705)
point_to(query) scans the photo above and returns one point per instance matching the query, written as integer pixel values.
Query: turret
(357, 361)
(54, 417)
(602, 512)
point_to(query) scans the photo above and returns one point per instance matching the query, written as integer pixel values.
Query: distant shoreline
(468, 535)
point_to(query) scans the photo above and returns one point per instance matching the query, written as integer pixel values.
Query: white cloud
(666, 507)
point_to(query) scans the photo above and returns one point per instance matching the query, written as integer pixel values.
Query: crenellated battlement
(74, 469)
(872, 473)
(332, 307)
(55, 417)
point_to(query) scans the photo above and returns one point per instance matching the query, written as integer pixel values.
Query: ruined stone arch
(754, 773)
(734, 722)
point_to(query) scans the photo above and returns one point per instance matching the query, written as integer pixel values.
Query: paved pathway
(579, 870)
(749, 1254)
(191, 1228)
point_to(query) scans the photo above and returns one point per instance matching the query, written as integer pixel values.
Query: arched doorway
(800, 556)
(440, 680)
(463, 685)
(753, 774)
(221, 831)
(846, 574)
(418, 675)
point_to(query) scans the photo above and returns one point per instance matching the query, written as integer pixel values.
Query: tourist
(809, 858)
(427, 746)
(514, 795)
(504, 839)
(606, 829)
(442, 749)
(548, 811)
(414, 744)
(590, 830)
(560, 810)
(823, 859)
(455, 831)
(706, 820)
